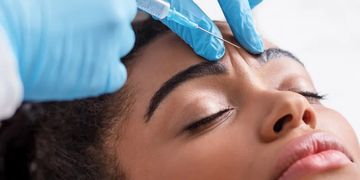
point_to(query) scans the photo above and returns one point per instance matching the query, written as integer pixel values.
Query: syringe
(161, 9)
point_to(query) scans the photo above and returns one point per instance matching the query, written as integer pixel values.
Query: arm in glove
(69, 49)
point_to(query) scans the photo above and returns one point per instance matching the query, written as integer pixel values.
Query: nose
(289, 111)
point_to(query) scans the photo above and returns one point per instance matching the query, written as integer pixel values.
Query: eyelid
(312, 97)
(208, 120)
(312, 94)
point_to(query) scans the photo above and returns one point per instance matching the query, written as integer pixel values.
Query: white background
(325, 35)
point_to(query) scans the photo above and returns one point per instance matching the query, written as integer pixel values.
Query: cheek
(226, 153)
(333, 122)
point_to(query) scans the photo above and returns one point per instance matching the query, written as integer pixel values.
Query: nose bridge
(288, 111)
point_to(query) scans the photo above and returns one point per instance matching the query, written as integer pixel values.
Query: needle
(218, 37)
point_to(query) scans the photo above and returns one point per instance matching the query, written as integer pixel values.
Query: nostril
(279, 125)
(306, 117)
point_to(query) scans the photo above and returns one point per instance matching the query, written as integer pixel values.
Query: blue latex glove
(69, 49)
(239, 16)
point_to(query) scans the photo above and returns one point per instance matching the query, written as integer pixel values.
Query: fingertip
(249, 38)
(239, 16)
(216, 53)
(117, 77)
(257, 47)
(254, 3)
(208, 46)
(203, 44)
(212, 50)
(127, 35)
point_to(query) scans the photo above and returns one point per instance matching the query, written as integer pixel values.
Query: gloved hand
(69, 49)
(239, 17)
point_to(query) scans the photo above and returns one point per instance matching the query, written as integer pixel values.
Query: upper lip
(304, 146)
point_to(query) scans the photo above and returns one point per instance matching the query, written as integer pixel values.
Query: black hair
(65, 140)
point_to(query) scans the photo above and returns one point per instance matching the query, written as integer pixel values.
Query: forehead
(164, 57)
(168, 55)
(159, 61)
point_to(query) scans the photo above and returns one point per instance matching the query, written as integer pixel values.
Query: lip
(309, 154)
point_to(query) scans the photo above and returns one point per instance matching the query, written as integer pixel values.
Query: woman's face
(245, 117)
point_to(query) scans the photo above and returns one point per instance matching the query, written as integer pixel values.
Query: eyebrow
(275, 53)
(195, 71)
(205, 69)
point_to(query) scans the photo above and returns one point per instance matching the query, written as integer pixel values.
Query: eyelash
(312, 97)
(204, 123)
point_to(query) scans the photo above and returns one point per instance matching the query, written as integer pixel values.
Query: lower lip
(324, 161)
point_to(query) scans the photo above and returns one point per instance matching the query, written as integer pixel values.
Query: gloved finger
(126, 37)
(117, 76)
(11, 89)
(239, 16)
(125, 31)
(202, 43)
(254, 3)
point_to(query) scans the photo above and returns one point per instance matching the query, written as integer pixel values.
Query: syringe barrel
(158, 8)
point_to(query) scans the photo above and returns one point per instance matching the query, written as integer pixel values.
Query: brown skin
(243, 145)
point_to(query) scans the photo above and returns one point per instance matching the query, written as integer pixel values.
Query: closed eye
(312, 97)
(207, 122)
